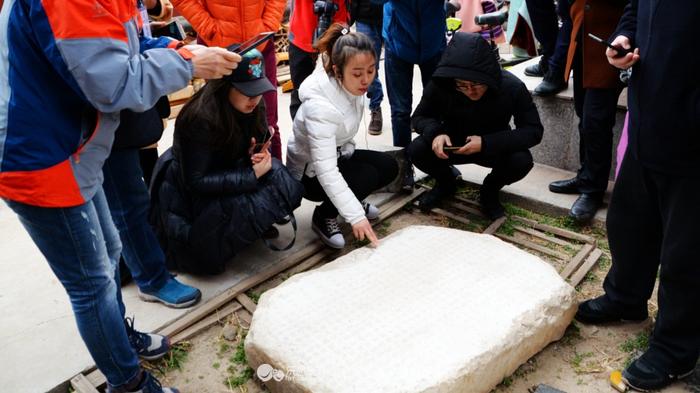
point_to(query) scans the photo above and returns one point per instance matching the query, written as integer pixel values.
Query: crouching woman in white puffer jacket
(321, 152)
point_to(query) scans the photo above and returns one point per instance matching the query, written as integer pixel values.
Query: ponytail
(338, 44)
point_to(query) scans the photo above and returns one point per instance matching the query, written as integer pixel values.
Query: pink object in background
(622, 146)
(469, 9)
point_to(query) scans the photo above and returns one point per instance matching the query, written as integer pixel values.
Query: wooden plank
(586, 267)
(82, 385)
(245, 316)
(247, 302)
(557, 231)
(207, 322)
(543, 236)
(576, 261)
(466, 209)
(450, 215)
(534, 246)
(467, 201)
(310, 262)
(397, 204)
(96, 378)
(491, 229)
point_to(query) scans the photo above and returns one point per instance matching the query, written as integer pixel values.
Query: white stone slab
(430, 310)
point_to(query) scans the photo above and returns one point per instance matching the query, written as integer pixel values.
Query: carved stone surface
(430, 310)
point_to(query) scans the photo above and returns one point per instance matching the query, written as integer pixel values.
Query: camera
(325, 9)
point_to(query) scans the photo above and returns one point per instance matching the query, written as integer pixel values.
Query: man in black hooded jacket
(464, 118)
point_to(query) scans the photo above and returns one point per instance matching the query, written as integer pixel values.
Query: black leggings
(365, 172)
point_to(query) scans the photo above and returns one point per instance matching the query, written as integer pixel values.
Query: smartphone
(257, 148)
(621, 52)
(451, 148)
(173, 29)
(252, 43)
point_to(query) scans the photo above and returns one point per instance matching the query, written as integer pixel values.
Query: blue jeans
(129, 201)
(374, 92)
(82, 248)
(399, 87)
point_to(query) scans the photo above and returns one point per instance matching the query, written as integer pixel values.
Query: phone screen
(247, 45)
(172, 29)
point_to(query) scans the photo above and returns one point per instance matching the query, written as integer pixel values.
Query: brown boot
(375, 122)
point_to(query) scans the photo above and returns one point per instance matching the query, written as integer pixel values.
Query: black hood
(469, 57)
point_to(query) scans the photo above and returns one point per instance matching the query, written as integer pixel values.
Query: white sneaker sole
(326, 240)
(154, 299)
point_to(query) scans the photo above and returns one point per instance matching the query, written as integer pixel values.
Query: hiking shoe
(148, 346)
(371, 211)
(603, 310)
(375, 122)
(408, 182)
(552, 83)
(643, 375)
(148, 384)
(434, 197)
(538, 69)
(490, 204)
(328, 230)
(173, 294)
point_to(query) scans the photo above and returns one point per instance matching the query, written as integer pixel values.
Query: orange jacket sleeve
(210, 29)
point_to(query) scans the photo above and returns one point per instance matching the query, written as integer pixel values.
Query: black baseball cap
(249, 77)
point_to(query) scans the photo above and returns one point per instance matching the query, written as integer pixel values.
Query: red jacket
(303, 22)
(225, 22)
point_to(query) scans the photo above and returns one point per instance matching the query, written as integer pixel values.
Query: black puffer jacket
(444, 110)
(141, 129)
(207, 204)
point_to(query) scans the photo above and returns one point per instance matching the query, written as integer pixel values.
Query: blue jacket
(67, 68)
(414, 30)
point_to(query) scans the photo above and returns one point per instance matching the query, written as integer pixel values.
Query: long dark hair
(338, 44)
(210, 110)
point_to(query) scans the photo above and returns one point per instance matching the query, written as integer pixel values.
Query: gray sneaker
(371, 211)
(328, 230)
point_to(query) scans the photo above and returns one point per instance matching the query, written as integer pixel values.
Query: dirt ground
(579, 362)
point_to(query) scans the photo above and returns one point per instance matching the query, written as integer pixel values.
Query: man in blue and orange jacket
(66, 70)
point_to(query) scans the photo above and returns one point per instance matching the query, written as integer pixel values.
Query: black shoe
(583, 210)
(539, 69)
(489, 203)
(601, 310)
(271, 233)
(328, 230)
(643, 375)
(408, 183)
(568, 186)
(434, 197)
(552, 84)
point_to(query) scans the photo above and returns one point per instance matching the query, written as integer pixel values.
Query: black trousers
(653, 221)
(545, 24)
(365, 172)
(301, 65)
(596, 110)
(507, 168)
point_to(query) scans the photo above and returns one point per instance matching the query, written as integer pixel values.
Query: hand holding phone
(621, 51)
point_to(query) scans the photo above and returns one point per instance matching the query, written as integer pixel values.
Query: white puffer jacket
(324, 128)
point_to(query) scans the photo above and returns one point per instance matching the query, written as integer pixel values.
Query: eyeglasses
(466, 85)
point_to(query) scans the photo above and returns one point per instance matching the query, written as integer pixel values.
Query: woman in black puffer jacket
(218, 189)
